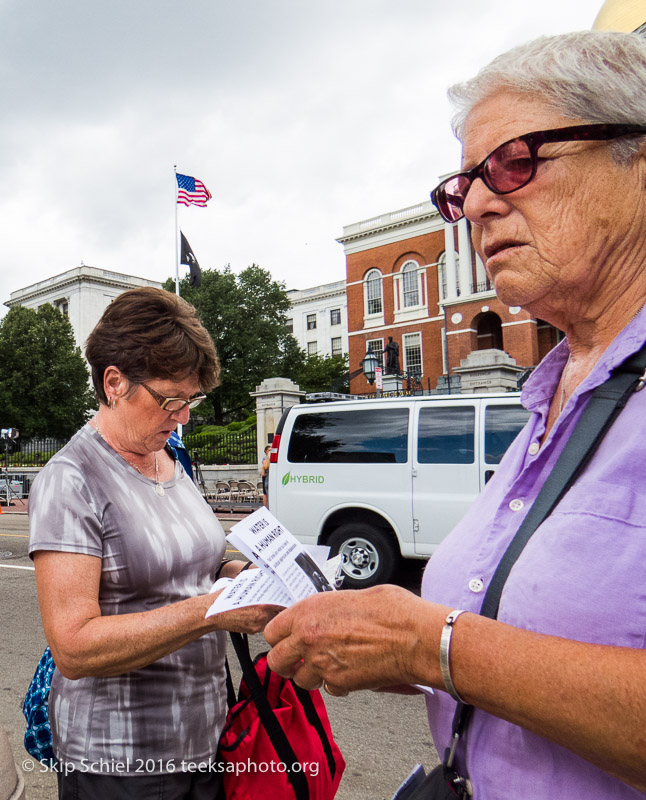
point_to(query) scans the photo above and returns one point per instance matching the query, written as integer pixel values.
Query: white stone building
(82, 293)
(318, 315)
(319, 318)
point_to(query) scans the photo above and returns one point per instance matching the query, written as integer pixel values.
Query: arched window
(410, 284)
(374, 297)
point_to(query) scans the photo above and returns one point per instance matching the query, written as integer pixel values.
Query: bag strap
(315, 721)
(268, 719)
(602, 409)
(231, 692)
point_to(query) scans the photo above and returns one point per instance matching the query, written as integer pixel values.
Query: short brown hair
(150, 333)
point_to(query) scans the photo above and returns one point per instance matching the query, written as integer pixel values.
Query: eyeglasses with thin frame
(513, 164)
(172, 404)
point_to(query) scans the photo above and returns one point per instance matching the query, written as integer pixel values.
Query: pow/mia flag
(187, 256)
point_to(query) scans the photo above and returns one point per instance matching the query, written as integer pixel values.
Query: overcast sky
(300, 116)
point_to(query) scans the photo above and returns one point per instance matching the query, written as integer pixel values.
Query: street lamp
(369, 366)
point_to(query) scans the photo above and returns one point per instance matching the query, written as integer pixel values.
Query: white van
(380, 479)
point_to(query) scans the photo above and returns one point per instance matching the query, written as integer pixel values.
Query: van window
(502, 425)
(373, 436)
(446, 435)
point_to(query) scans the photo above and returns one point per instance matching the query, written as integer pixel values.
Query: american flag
(190, 191)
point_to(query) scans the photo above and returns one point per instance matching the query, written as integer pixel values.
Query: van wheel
(369, 555)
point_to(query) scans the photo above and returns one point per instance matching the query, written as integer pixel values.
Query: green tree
(245, 315)
(44, 388)
(323, 374)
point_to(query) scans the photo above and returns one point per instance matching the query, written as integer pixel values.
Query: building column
(273, 397)
(464, 248)
(481, 273)
(449, 264)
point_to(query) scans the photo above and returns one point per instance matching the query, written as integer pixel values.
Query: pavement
(16, 506)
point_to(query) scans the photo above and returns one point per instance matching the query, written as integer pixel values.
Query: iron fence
(225, 448)
(33, 452)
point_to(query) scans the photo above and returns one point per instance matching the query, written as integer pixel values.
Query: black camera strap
(605, 404)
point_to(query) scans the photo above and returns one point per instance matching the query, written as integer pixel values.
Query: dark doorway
(489, 331)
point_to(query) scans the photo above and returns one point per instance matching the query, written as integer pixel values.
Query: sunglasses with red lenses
(513, 164)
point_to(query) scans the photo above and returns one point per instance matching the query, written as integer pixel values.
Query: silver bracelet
(445, 653)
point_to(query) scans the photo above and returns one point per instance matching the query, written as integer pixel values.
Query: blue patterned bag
(38, 736)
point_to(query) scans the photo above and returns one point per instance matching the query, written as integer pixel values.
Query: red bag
(277, 742)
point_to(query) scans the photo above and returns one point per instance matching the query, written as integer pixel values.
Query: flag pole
(179, 426)
(176, 238)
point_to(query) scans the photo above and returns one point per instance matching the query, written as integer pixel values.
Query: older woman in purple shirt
(558, 681)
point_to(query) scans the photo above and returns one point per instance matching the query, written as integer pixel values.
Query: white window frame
(405, 344)
(62, 305)
(378, 348)
(310, 318)
(336, 311)
(411, 285)
(410, 272)
(339, 351)
(309, 349)
(373, 276)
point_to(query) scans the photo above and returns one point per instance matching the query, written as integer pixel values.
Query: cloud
(301, 117)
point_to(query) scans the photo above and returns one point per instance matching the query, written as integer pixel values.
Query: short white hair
(598, 76)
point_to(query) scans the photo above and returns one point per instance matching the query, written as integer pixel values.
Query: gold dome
(621, 15)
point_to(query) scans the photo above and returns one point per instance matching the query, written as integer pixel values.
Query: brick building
(417, 279)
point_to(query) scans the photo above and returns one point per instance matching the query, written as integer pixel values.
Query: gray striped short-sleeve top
(154, 551)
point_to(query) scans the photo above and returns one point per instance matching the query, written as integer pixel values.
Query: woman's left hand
(250, 619)
(355, 639)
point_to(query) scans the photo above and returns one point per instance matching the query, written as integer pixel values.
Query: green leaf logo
(286, 478)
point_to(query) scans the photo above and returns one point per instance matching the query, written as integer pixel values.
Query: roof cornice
(76, 276)
(403, 218)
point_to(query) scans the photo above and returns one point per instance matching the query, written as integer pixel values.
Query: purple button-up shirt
(581, 576)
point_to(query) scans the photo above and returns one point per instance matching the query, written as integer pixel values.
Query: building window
(374, 302)
(412, 343)
(376, 346)
(289, 325)
(312, 349)
(62, 306)
(337, 346)
(311, 322)
(335, 316)
(410, 284)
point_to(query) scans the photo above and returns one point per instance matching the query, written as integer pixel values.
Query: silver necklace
(563, 381)
(159, 489)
